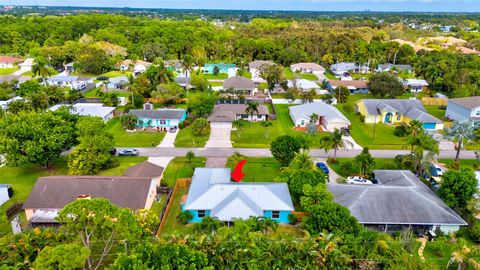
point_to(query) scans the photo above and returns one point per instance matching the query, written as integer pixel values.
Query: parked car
(113, 151)
(436, 171)
(129, 152)
(323, 167)
(358, 180)
(346, 132)
(172, 129)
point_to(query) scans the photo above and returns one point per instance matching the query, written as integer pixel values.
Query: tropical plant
(284, 149)
(184, 217)
(129, 121)
(342, 93)
(334, 141)
(190, 155)
(266, 128)
(365, 162)
(130, 87)
(308, 96)
(239, 125)
(200, 127)
(251, 108)
(208, 225)
(187, 64)
(40, 68)
(462, 132)
(465, 257)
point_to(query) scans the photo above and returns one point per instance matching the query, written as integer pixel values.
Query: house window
(162, 122)
(477, 113)
(275, 214)
(201, 213)
(399, 117)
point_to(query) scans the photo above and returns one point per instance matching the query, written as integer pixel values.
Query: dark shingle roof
(239, 83)
(144, 169)
(58, 191)
(228, 112)
(400, 198)
(159, 114)
(412, 108)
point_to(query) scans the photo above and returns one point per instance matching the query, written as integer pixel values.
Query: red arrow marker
(237, 174)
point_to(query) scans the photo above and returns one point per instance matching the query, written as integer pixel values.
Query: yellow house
(396, 111)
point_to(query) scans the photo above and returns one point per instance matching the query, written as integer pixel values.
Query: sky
(309, 5)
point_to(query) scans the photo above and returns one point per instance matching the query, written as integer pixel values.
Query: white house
(225, 114)
(5, 193)
(73, 82)
(254, 68)
(8, 61)
(137, 66)
(341, 68)
(304, 85)
(330, 118)
(4, 103)
(26, 65)
(89, 109)
(464, 109)
(308, 67)
(415, 85)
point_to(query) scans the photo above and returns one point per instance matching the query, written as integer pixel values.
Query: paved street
(263, 152)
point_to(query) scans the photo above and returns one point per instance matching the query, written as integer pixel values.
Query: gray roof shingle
(159, 114)
(400, 198)
(412, 108)
(144, 169)
(228, 112)
(467, 102)
(239, 83)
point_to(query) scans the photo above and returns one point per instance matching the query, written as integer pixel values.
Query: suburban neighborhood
(167, 141)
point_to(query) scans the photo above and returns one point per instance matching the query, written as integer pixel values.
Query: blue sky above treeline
(308, 5)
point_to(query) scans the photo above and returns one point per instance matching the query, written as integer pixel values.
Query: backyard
(219, 76)
(133, 139)
(185, 138)
(436, 111)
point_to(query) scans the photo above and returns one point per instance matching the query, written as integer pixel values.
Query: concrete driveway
(169, 139)
(219, 135)
(355, 145)
(332, 175)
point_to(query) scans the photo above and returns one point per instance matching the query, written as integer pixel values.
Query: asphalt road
(263, 152)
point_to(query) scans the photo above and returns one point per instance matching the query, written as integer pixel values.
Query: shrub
(348, 168)
(201, 127)
(348, 108)
(292, 219)
(331, 160)
(474, 231)
(401, 131)
(184, 217)
(181, 125)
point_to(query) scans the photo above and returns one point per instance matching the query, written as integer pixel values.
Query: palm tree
(131, 82)
(187, 64)
(462, 132)
(190, 156)
(238, 125)
(466, 257)
(415, 129)
(251, 108)
(266, 127)
(40, 68)
(365, 161)
(334, 141)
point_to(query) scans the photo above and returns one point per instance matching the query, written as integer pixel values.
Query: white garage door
(221, 125)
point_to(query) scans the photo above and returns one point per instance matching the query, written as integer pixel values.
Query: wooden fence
(299, 215)
(435, 101)
(181, 183)
(14, 210)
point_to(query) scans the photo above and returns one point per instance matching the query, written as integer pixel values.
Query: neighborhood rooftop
(321, 109)
(228, 112)
(87, 109)
(467, 102)
(68, 79)
(159, 114)
(211, 189)
(399, 198)
(55, 192)
(144, 169)
(238, 83)
(411, 108)
(258, 63)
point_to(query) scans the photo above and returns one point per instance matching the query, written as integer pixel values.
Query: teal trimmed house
(161, 118)
(213, 194)
(223, 68)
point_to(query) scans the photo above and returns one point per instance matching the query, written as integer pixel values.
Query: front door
(388, 118)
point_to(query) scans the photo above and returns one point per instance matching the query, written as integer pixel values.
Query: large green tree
(38, 138)
(63, 256)
(334, 140)
(284, 149)
(273, 74)
(385, 85)
(99, 226)
(201, 104)
(458, 187)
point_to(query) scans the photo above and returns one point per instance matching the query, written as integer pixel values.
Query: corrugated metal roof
(45, 216)
(211, 189)
(159, 114)
(324, 110)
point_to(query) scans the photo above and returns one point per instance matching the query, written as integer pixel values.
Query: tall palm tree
(130, 83)
(334, 141)
(187, 64)
(414, 129)
(462, 132)
(40, 68)
(252, 107)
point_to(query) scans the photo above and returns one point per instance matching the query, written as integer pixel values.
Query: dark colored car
(172, 129)
(322, 166)
(346, 132)
(103, 78)
(113, 151)
(129, 152)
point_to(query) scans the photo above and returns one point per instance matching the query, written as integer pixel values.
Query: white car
(358, 180)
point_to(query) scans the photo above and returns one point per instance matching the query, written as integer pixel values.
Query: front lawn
(364, 134)
(180, 168)
(261, 169)
(309, 76)
(116, 73)
(52, 71)
(436, 111)
(133, 139)
(125, 163)
(256, 136)
(330, 75)
(7, 71)
(219, 76)
(185, 138)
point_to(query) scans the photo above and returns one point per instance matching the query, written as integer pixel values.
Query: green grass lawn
(436, 111)
(214, 84)
(364, 134)
(261, 169)
(158, 206)
(7, 71)
(309, 76)
(185, 138)
(219, 76)
(173, 226)
(23, 178)
(330, 75)
(134, 139)
(180, 168)
(288, 73)
(440, 251)
(53, 72)
(116, 73)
